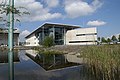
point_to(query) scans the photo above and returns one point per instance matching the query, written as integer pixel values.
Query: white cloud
(77, 8)
(23, 34)
(96, 23)
(52, 3)
(41, 10)
(37, 11)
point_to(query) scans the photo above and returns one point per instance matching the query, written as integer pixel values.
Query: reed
(102, 62)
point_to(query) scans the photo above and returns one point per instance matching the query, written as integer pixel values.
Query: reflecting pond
(52, 61)
(4, 56)
(27, 69)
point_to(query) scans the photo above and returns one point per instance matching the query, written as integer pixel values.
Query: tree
(114, 39)
(103, 40)
(48, 41)
(6, 9)
(98, 40)
(108, 40)
(119, 38)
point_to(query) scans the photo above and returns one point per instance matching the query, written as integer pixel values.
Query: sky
(103, 14)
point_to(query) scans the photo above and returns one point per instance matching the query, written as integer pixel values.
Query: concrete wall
(4, 39)
(32, 41)
(81, 36)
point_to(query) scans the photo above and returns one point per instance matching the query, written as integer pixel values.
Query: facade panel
(81, 36)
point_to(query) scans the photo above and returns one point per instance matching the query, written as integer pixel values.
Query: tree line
(112, 40)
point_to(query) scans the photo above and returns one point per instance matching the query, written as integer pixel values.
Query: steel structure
(10, 40)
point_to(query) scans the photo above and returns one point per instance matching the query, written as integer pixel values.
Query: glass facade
(59, 35)
(55, 31)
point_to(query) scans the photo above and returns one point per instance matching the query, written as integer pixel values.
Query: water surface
(52, 61)
(27, 69)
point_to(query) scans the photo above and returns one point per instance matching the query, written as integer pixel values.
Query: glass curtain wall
(56, 32)
(44, 33)
(59, 35)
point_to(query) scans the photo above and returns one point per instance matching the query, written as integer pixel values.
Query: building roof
(53, 24)
(5, 31)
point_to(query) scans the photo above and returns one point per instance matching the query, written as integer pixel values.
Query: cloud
(42, 10)
(52, 3)
(23, 34)
(37, 11)
(96, 23)
(77, 8)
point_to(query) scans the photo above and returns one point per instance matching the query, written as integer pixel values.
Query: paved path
(27, 69)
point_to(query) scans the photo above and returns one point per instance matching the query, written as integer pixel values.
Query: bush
(48, 41)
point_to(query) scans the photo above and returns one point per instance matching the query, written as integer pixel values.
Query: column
(64, 36)
(53, 33)
(43, 36)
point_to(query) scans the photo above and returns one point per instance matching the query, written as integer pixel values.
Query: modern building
(4, 37)
(62, 34)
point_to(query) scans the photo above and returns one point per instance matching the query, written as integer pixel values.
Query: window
(59, 35)
(80, 41)
(86, 34)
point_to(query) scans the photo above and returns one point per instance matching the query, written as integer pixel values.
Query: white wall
(32, 41)
(85, 34)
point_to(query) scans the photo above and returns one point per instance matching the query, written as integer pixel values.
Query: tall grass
(102, 62)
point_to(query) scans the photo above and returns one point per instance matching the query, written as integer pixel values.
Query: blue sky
(103, 14)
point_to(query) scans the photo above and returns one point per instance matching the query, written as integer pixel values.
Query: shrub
(48, 41)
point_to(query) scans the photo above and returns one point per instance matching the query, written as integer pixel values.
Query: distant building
(63, 35)
(4, 37)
